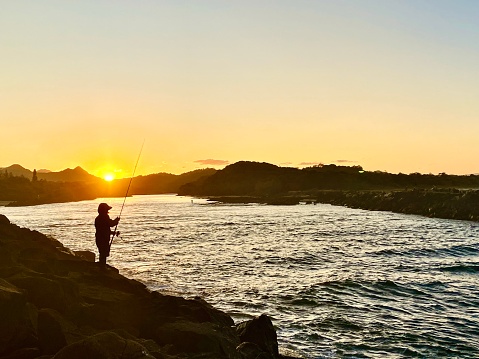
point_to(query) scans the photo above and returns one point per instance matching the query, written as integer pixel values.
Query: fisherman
(103, 232)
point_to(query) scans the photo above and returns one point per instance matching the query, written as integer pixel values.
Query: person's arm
(114, 222)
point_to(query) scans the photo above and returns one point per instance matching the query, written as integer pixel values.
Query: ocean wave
(461, 268)
(453, 251)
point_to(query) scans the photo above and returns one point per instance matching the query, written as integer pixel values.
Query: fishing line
(127, 190)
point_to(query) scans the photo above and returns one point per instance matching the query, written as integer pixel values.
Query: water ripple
(338, 282)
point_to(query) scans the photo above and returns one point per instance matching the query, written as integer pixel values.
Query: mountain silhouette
(69, 175)
(162, 182)
(17, 170)
(77, 174)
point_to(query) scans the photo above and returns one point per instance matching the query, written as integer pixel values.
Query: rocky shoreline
(446, 203)
(57, 304)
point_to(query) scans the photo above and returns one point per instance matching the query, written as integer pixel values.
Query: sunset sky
(392, 85)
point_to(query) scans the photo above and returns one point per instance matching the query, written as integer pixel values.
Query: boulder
(260, 331)
(4, 220)
(107, 345)
(24, 353)
(190, 338)
(167, 308)
(41, 291)
(50, 331)
(249, 350)
(16, 329)
(86, 255)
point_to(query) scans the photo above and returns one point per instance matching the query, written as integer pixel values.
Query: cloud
(310, 163)
(345, 161)
(211, 162)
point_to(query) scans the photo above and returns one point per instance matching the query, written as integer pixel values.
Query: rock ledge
(58, 304)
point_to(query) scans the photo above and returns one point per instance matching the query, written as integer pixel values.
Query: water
(338, 282)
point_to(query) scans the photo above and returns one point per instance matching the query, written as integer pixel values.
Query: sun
(109, 177)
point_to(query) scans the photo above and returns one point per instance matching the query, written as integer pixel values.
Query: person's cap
(103, 207)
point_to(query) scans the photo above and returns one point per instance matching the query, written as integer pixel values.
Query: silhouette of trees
(244, 178)
(264, 179)
(21, 190)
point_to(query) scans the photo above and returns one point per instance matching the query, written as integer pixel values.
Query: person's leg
(102, 260)
(103, 250)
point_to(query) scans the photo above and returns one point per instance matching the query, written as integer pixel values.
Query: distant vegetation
(443, 196)
(24, 191)
(75, 185)
(439, 195)
(264, 179)
(158, 183)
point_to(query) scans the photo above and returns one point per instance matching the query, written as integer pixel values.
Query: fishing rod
(127, 190)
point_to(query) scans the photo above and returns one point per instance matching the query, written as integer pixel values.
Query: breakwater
(445, 203)
(55, 303)
(435, 203)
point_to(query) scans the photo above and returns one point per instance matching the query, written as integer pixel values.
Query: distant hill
(247, 178)
(263, 179)
(18, 188)
(77, 174)
(17, 171)
(241, 178)
(68, 175)
(159, 183)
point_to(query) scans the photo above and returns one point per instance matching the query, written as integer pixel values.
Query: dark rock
(108, 309)
(168, 308)
(85, 255)
(41, 291)
(106, 345)
(190, 338)
(150, 345)
(16, 329)
(260, 331)
(249, 350)
(441, 203)
(50, 331)
(4, 220)
(24, 353)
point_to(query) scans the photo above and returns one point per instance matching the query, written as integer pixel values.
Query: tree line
(239, 179)
(19, 190)
(264, 179)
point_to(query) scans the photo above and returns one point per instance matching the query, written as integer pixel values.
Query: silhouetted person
(103, 223)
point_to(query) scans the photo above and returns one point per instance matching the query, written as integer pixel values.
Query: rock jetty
(436, 203)
(57, 304)
(447, 203)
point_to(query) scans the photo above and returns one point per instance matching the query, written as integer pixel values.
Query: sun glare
(109, 177)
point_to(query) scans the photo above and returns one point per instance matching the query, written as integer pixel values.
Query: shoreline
(59, 304)
(447, 203)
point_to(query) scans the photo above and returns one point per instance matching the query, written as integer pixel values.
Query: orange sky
(389, 85)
